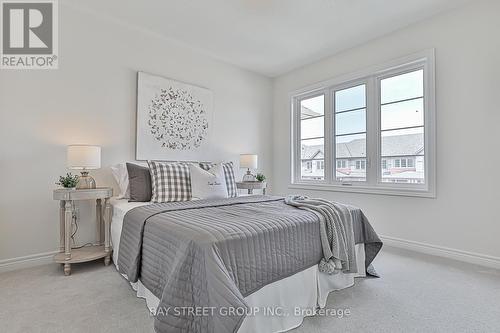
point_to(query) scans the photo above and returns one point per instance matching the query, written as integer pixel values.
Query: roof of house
(305, 113)
(396, 145)
(401, 145)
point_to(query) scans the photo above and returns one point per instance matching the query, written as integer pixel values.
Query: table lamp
(248, 161)
(84, 158)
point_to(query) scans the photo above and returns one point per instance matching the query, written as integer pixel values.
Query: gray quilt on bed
(209, 254)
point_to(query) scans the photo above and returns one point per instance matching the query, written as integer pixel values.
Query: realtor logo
(29, 35)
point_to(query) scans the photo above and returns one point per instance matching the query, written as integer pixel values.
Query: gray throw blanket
(337, 233)
(211, 254)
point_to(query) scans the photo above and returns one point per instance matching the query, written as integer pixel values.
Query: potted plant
(69, 181)
(260, 177)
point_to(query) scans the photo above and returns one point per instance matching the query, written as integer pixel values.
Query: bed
(148, 255)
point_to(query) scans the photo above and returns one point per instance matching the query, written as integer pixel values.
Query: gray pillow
(140, 183)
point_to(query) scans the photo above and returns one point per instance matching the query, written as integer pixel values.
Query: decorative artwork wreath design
(177, 120)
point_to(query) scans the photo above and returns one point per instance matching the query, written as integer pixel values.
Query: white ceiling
(270, 37)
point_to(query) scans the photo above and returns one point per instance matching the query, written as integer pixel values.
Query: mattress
(272, 308)
(120, 208)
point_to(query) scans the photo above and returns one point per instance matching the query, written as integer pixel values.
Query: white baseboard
(26, 261)
(441, 251)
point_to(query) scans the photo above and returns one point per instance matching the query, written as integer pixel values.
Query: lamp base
(249, 177)
(85, 181)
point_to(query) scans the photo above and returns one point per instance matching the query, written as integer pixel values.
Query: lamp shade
(83, 157)
(248, 161)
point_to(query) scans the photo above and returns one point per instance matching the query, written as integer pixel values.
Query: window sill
(405, 192)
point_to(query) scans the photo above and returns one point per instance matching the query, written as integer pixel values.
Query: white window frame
(371, 77)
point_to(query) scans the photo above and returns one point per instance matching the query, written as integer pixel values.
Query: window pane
(312, 128)
(400, 87)
(350, 122)
(311, 149)
(403, 114)
(353, 170)
(351, 146)
(351, 98)
(312, 159)
(396, 172)
(406, 142)
(403, 151)
(350, 149)
(350, 154)
(312, 107)
(312, 125)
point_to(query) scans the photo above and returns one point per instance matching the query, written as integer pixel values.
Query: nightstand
(250, 186)
(102, 247)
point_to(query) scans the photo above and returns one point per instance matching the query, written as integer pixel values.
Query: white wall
(464, 216)
(91, 99)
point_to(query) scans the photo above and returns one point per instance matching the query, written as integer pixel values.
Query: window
(350, 130)
(402, 124)
(404, 163)
(361, 165)
(312, 114)
(373, 131)
(384, 164)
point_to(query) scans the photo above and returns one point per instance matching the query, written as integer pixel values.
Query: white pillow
(120, 174)
(208, 184)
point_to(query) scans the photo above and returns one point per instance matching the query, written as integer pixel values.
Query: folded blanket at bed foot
(337, 233)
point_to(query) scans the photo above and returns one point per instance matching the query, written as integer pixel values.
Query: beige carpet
(416, 293)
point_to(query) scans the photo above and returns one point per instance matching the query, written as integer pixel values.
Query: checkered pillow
(170, 181)
(228, 174)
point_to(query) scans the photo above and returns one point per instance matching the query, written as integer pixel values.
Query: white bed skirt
(277, 307)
